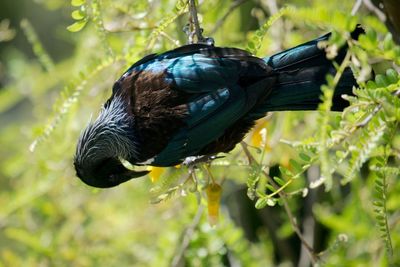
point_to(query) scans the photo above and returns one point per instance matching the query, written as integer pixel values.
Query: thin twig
(374, 9)
(187, 236)
(246, 151)
(252, 161)
(282, 196)
(114, 28)
(308, 221)
(207, 167)
(169, 38)
(194, 21)
(356, 7)
(310, 250)
(373, 113)
(369, 117)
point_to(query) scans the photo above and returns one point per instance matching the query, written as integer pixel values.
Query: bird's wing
(208, 117)
(199, 74)
(220, 87)
(224, 85)
(151, 58)
(199, 68)
(221, 80)
(209, 69)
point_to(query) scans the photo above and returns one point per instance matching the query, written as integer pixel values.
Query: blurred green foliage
(52, 81)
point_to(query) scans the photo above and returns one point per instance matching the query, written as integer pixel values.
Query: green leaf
(392, 75)
(381, 80)
(77, 2)
(304, 157)
(279, 181)
(380, 217)
(78, 14)
(379, 191)
(378, 210)
(296, 166)
(77, 26)
(388, 42)
(285, 171)
(371, 85)
(181, 4)
(261, 203)
(270, 187)
(372, 36)
(251, 46)
(379, 174)
(271, 202)
(260, 193)
(340, 154)
(379, 182)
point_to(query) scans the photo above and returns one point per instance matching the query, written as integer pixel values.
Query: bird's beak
(133, 174)
(119, 178)
(109, 173)
(128, 169)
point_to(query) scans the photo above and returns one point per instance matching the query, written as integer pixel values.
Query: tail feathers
(307, 53)
(301, 71)
(301, 90)
(299, 56)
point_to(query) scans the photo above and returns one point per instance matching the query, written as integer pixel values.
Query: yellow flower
(259, 135)
(155, 173)
(213, 192)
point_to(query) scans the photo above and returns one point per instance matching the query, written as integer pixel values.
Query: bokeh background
(53, 80)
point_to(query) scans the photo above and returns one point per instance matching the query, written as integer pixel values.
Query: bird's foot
(200, 39)
(191, 162)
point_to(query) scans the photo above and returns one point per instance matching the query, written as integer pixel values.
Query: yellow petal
(259, 136)
(256, 139)
(155, 173)
(214, 192)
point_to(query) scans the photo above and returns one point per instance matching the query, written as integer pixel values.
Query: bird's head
(103, 143)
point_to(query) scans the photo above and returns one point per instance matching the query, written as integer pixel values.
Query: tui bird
(199, 100)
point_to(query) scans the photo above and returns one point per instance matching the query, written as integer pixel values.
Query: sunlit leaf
(78, 14)
(77, 2)
(304, 157)
(279, 181)
(77, 26)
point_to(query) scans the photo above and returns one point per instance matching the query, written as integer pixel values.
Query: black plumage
(199, 100)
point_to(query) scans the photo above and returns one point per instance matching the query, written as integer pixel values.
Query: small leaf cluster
(255, 43)
(79, 15)
(380, 172)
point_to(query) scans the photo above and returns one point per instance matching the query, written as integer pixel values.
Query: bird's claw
(191, 162)
(192, 33)
(209, 41)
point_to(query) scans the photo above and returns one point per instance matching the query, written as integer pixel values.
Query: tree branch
(282, 195)
(195, 25)
(374, 112)
(356, 7)
(375, 10)
(186, 237)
